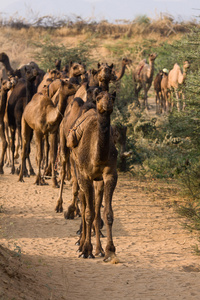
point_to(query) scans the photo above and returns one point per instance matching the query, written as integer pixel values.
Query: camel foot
(69, 214)
(1, 170)
(99, 252)
(40, 181)
(16, 156)
(78, 244)
(78, 232)
(32, 173)
(12, 170)
(84, 255)
(109, 256)
(59, 209)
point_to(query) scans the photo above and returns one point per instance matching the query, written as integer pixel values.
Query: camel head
(105, 72)
(3, 57)
(152, 57)
(13, 80)
(186, 65)
(58, 64)
(76, 69)
(68, 88)
(126, 61)
(31, 73)
(6, 84)
(105, 101)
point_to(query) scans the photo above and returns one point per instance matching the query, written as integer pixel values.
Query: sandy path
(156, 259)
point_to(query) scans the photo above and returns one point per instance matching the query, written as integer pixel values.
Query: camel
(5, 86)
(165, 92)
(13, 80)
(20, 96)
(157, 88)
(105, 74)
(21, 72)
(48, 120)
(95, 158)
(176, 80)
(143, 77)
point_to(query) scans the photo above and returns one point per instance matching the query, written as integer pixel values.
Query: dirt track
(154, 250)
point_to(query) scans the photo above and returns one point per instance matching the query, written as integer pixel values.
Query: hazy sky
(102, 9)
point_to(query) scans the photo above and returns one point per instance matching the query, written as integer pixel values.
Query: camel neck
(104, 85)
(120, 74)
(3, 100)
(103, 136)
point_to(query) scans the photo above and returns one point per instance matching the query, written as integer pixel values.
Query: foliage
(50, 51)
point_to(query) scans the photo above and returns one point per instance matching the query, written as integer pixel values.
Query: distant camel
(143, 77)
(5, 86)
(176, 80)
(48, 120)
(157, 88)
(165, 92)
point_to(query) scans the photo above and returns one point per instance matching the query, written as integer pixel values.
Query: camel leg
(38, 140)
(53, 154)
(8, 159)
(31, 171)
(13, 149)
(64, 155)
(17, 145)
(73, 208)
(4, 146)
(98, 185)
(110, 181)
(88, 217)
(26, 138)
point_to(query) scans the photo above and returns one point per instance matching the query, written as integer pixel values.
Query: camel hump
(76, 132)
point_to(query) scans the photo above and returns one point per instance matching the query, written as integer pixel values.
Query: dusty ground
(156, 260)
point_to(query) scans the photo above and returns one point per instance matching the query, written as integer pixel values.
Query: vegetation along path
(155, 255)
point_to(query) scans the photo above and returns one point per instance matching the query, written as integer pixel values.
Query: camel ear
(111, 66)
(98, 65)
(70, 64)
(94, 71)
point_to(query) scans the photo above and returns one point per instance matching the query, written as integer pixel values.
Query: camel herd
(68, 112)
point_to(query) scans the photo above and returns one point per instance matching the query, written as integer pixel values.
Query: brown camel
(105, 74)
(143, 77)
(13, 80)
(95, 158)
(21, 72)
(157, 89)
(20, 96)
(48, 120)
(176, 80)
(5, 86)
(165, 93)
(76, 70)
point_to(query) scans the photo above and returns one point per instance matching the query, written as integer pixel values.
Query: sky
(97, 10)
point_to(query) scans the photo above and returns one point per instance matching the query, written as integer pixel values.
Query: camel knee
(109, 218)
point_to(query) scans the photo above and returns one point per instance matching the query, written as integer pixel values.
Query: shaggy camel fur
(176, 80)
(5, 86)
(48, 120)
(143, 77)
(95, 158)
(20, 96)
